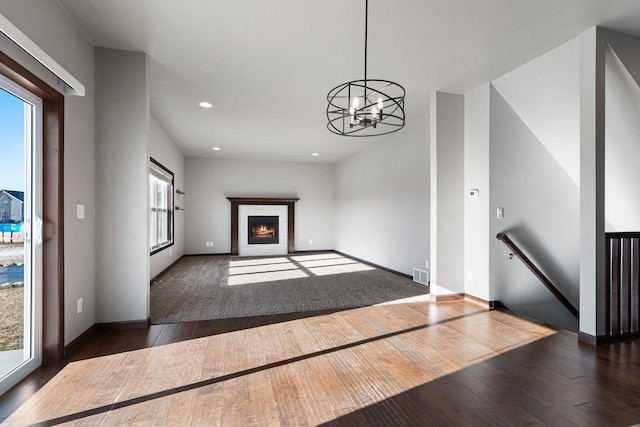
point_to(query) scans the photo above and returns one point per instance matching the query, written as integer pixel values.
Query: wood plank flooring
(415, 364)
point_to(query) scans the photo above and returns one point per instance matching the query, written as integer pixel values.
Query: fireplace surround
(238, 201)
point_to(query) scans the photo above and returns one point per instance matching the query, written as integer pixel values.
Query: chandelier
(367, 107)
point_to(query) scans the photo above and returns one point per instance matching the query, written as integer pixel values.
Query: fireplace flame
(263, 232)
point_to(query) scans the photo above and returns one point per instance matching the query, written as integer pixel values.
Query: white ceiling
(266, 66)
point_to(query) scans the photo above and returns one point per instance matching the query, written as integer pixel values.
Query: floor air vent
(420, 276)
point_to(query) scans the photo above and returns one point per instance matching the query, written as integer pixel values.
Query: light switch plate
(80, 211)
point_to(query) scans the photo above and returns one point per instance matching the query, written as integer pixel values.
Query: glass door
(20, 232)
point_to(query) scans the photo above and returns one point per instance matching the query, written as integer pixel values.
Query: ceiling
(267, 66)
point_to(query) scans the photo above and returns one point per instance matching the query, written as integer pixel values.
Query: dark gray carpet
(219, 287)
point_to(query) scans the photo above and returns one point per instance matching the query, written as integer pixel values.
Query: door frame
(53, 205)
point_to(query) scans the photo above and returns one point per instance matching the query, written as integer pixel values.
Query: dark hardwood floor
(404, 364)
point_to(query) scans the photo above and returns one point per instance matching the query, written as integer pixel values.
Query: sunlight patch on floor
(340, 269)
(252, 269)
(327, 262)
(272, 269)
(417, 298)
(301, 258)
(187, 371)
(259, 261)
(266, 277)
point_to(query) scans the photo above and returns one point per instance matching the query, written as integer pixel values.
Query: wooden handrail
(623, 235)
(539, 274)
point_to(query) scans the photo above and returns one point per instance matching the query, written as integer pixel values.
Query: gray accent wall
(542, 215)
(122, 193)
(49, 26)
(382, 200)
(209, 182)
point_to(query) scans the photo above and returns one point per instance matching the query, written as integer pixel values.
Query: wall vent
(420, 276)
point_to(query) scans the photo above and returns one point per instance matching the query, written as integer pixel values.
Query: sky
(11, 142)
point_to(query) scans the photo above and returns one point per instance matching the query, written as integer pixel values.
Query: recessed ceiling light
(315, 154)
(216, 148)
(205, 104)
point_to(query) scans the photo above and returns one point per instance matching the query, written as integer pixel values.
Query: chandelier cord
(366, 24)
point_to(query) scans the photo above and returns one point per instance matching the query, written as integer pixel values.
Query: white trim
(244, 248)
(32, 349)
(26, 44)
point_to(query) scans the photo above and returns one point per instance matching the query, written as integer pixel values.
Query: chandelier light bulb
(380, 104)
(355, 102)
(374, 111)
(352, 111)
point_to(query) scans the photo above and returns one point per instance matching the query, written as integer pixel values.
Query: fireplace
(263, 230)
(243, 207)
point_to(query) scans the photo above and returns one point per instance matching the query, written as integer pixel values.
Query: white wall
(622, 151)
(49, 26)
(164, 150)
(545, 93)
(209, 182)
(382, 200)
(447, 193)
(541, 215)
(122, 194)
(534, 176)
(592, 218)
(476, 177)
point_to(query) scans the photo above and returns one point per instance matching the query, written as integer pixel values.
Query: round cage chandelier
(367, 107)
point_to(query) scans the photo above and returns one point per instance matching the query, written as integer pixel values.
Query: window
(160, 207)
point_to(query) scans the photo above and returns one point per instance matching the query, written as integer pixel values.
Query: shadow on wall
(523, 292)
(529, 242)
(541, 215)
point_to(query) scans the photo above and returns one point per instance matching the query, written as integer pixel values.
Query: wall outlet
(469, 275)
(80, 211)
(79, 305)
(310, 242)
(426, 264)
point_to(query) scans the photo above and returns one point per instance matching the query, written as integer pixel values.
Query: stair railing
(536, 271)
(623, 284)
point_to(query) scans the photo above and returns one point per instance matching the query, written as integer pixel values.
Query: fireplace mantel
(237, 201)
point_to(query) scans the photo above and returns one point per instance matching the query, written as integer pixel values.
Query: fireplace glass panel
(263, 230)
